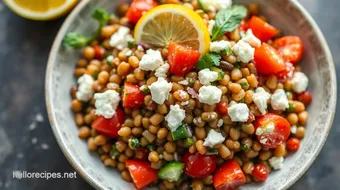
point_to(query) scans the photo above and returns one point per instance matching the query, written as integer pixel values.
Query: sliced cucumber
(172, 171)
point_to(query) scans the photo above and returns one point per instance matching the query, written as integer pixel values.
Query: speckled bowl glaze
(288, 15)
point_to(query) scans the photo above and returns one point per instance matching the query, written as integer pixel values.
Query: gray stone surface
(27, 142)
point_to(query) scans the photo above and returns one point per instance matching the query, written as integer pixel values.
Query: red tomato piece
(293, 144)
(138, 8)
(280, 133)
(290, 47)
(260, 172)
(261, 29)
(305, 98)
(243, 26)
(141, 172)
(222, 108)
(286, 74)
(229, 176)
(198, 165)
(133, 97)
(181, 59)
(268, 60)
(98, 52)
(109, 127)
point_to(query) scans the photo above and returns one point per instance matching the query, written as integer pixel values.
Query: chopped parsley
(208, 60)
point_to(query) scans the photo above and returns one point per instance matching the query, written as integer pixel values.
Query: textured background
(26, 139)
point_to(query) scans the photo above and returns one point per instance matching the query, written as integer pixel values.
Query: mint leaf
(101, 16)
(76, 40)
(227, 20)
(208, 60)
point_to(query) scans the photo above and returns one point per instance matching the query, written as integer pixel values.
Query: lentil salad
(211, 127)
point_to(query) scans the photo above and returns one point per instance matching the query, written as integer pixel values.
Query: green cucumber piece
(180, 133)
(188, 142)
(172, 171)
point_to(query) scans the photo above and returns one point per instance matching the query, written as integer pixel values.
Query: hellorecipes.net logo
(44, 175)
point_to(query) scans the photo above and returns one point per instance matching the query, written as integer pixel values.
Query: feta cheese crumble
(106, 103)
(251, 39)
(238, 112)
(162, 70)
(215, 5)
(184, 82)
(213, 138)
(219, 46)
(279, 100)
(267, 129)
(293, 129)
(206, 76)
(121, 38)
(85, 91)
(140, 48)
(184, 103)
(276, 162)
(243, 51)
(151, 60)
(220, 123)
(160, 90)
(211, 26)
(182, 94)
(209, 95)
(175, 117)
(299, 82)
(260, 99)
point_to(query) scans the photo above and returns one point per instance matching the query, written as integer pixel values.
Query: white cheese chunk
(299, 82)
(219, 46)
(85, 91)
(160, 90)
(184, 82)
(209, 95)
(279, 100)
(162, 70)
(213, 138)
(251, 39)
(151, 60)
(243, 51)
(276, 162)
(220, 123)
(206, 76)
(260, 99)
(267, 129)
(175, 117)
(238, 112)
(215, 5)
(106, 103)
(121, 38)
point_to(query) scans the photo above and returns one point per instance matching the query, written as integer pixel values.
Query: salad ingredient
(293, 144)
(260, 172)
(175, 117)
(109, 127)
(151, 60)
(138, 8)
(276, 162)
(141, 172)
(208, 61)
(261, 29)
(222, 108)
(260, 99)
(299, 82)
(268, 60)
(305, 97)
(279, 100)
(243, 51)
(199, 166)
(209, 95)
(229, 176)
(213, 138)
(172, 171)
(160, 90)
(238, 112)
(133, 97)
(106, 103)
(290, 47)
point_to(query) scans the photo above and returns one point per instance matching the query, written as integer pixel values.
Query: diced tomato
(98, 52)
(229, 176)
(198, 165)
(293, 144)
(287, 73)
(181, 59)
(222, 108)
(133, 97)
(268, 60)
(290, 47)
(109, 127)
(260, 172)
(261, 29)
(305, 98)
(243, 26)
(141, 172)
(280, 133)
(138, 8)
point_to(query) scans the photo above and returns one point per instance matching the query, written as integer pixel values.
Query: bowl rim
(93, 182)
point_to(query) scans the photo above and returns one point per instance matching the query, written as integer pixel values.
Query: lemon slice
(173, 23)
(40, 9)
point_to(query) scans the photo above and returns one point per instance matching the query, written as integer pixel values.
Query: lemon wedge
(40, 9)
(173, 23)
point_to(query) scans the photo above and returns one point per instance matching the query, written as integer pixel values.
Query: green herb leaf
(227, 51)
(134, 143)
(75, 40)
(244, 84)
(227, 20)
(188, 142)
(241, 101)
(131, 44)
(114, 152)
(244, 147)
(208, 60)
(119, 90)
(219, 72)
(101, 15)
(95, 75)
(212, 151)
(291, 107)
(151, 147)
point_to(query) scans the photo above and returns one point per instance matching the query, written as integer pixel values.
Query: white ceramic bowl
(287, 15)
